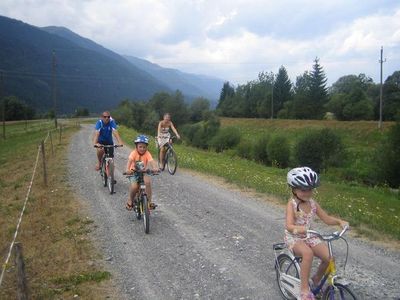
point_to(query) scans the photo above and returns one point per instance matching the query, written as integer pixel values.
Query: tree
(282, 90)
(391, 97)
(318, 92)
(349, 98)
(15, 109)
(198, 108)
(227, 92)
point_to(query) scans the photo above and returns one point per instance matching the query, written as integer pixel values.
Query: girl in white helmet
(300, 212)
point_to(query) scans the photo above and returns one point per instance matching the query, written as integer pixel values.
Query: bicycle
(170, 157)
(287, 267)
(141, 203)
(107, 167)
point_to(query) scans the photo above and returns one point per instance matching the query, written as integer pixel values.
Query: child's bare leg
(147, 182)
(322, 252)
(301, 249)
(162, 155)
(132, 193)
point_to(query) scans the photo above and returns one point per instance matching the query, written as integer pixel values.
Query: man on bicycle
(105, 128)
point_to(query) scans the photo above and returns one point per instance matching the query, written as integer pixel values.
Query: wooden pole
(44, 162)
(59, 141)
(51, 143)
(22, 286)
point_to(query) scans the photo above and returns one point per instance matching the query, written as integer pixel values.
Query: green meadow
(373, 211)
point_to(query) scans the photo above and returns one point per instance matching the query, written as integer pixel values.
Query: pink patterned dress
(302, 219)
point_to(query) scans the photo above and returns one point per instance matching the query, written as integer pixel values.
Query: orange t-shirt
(135, 157)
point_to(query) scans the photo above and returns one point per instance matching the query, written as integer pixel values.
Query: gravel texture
(206, 241)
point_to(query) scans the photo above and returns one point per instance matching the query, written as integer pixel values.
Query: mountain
(85, 77)
(191, 85)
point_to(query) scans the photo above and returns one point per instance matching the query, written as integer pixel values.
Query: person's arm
(329, 220)
(174, 130)
(96, 137)
(159, 129)
(116, 133)
(128, 165)
(290, 226)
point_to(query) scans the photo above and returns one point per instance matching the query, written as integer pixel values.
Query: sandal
(307, 296)
(129, 206)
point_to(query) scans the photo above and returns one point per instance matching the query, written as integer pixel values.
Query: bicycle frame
(292, 284)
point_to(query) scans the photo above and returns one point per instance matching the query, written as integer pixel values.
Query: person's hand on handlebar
(344, 224)
(129, 172)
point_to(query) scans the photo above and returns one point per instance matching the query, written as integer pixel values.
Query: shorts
(291, 239)
(134, 178)
(163, 139)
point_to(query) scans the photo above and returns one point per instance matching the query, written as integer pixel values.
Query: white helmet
(303, 178)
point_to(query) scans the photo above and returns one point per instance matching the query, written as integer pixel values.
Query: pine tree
(282, 90)
(318, 94)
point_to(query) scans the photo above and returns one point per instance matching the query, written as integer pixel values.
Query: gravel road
(206, 241)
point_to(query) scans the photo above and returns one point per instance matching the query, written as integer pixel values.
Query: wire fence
(22, 294)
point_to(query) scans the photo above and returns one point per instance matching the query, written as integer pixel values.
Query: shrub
(278, 150)
(387, 162)
(319, 150)
(226, 138)
(259, 150)
(244, 149)
(200, 134)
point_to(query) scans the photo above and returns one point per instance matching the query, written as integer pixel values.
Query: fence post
(59, 142)
(22, 286)
(51, 143)
(44, 162)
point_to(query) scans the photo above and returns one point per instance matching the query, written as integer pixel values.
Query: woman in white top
(164, 135)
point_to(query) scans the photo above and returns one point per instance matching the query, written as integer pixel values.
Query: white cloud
(235, 40)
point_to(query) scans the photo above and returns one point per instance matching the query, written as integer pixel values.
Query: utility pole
(272, 97)
(3, 102)
(381, 61)
(54, 94)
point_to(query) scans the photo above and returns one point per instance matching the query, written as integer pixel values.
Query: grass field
(361, 139)
(59, 256)
(374, 212)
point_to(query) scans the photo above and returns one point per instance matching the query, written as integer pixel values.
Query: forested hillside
(84, 78)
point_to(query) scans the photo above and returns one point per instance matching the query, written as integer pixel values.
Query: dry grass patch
(60, 259)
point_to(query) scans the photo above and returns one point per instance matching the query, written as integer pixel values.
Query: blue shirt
(106, 131)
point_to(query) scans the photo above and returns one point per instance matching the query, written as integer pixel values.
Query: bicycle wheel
(287, 276)
(338, 291)
(146, 214)
(138, 208)
(111, 181)
(171, 160)
(104, 173)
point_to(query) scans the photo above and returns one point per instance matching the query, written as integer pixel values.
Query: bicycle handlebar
(107, 146)
(329, 237)
(148, 172)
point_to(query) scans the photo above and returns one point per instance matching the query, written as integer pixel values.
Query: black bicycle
(107, 167)
(170, 157)
(141, 202)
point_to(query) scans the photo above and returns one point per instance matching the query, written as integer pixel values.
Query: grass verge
(60, 259)
(374, 212)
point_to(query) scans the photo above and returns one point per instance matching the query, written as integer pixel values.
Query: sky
(233, 40)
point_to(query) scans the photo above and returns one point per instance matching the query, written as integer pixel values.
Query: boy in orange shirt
(140, 159)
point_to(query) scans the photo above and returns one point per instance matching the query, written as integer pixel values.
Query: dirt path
(205, 241)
